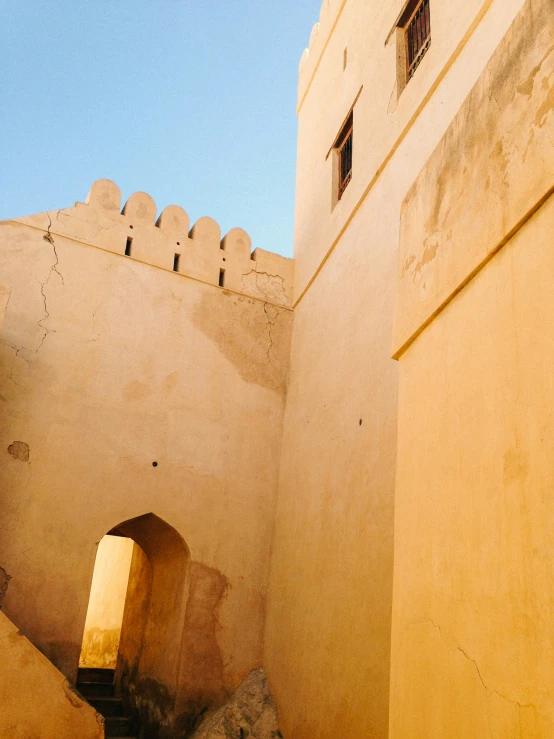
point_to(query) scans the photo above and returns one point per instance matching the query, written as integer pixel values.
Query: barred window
(418, 36)
(344, 148)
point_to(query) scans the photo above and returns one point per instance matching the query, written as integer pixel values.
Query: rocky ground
(250, 713)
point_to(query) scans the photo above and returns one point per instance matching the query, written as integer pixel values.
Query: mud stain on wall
(255, 342)
(202, 663)
(4, 581)
(19, 451)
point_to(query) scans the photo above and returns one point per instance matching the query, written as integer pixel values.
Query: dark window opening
(418, 36)
(176, 262)
(344, 148)
(221, 278)
(128, 247)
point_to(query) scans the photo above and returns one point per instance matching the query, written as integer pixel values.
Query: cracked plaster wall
(107, 365)
(202, 252)
(494, 165)
(473, 595)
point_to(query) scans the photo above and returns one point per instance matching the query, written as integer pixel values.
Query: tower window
(344, 147)
(418, 35)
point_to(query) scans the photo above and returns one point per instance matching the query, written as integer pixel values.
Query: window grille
(345, 150)
(418, 36)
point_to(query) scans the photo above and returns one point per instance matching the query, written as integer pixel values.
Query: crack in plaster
(46, 316)
(489, 691)
(48, 237)
(493, 98)
(17, 355)
(276, 289)
(17, 350)
(87, 221)
(54, 268)
(271, 325)
(93, 319)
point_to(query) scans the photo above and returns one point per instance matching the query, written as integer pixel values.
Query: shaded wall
(133, 627)
(36, 699)
(106, 603)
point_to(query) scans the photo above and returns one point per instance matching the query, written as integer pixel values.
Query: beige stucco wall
(4, 298)
(473, 596)
(472, 616)
(36, 700)
(107, 602)
(494, 166)
(107, 365)
(329, 617)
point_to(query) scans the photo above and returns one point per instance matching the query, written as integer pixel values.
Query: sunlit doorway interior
(107, 603)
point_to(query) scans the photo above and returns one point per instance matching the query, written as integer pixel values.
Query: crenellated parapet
(328, 16)
(169, 242)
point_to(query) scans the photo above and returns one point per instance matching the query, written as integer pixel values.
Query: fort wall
(129, 389)
(170, 243)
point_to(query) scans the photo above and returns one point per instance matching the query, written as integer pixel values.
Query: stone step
(96, 690)
(95, 675)
(116, 726)
(108, 706)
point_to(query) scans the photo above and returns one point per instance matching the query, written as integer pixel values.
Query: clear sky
(192, 102)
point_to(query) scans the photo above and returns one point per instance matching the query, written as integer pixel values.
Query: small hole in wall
(361, 421)
(176, 262)
(130, 227)
(154, 464)
(128, 247)
(221, 278)
(178, 243)
(224, 259)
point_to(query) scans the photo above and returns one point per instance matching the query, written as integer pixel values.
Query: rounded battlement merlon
(168, 242)
(105, 195)
(321, 32)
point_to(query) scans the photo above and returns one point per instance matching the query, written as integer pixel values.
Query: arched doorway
(146, 669)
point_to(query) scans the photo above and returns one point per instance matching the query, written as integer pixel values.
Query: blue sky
(192, 102)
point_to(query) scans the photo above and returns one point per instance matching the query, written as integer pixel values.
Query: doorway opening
(131, 652)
